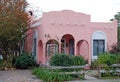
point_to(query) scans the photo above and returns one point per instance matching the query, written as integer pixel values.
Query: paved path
(17, 76)
(92, 79)
(26, 76)
(115, 80)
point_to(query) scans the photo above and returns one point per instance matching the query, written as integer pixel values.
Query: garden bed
(59, 73)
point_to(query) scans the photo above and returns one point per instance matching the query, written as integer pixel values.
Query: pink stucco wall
(109, 28)
(56, 24)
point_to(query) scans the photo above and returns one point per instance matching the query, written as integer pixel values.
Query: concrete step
(90, 78)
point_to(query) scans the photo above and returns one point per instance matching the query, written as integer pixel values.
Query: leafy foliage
(13, 24)
(61, 60)
(115, 48)
(107, 58)
(24, 61)
(5, 64)
(50, 75)
(78, 60)
(118, 59)
(66, 60)
(94, 64)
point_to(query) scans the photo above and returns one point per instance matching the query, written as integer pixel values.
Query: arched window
(98, 43)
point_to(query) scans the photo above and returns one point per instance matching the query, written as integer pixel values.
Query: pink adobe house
(69, 32)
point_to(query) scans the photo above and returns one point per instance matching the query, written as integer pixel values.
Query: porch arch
(52, 47)
(67, 44)
(83, 49)
(40, 52)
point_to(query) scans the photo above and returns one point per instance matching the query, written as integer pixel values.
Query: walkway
(26, 76)
(17, 76)
(92, 79)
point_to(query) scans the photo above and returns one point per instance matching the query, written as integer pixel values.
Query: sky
(100, 10)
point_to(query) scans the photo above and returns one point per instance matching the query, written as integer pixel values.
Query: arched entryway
(40, 52)
(83, 49)
(67, 44)
(52, 47)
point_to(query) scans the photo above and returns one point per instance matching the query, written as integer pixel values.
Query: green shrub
(94, 64)
(48, 75)
(118, 59)
(1, 60)
(78, 60)
(24, 61)
(66, 60)
(107, 58)
(61, 60)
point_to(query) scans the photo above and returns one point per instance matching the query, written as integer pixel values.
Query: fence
(74, 70)
(114, 69)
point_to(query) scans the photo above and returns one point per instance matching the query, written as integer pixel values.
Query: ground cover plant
(49, 75)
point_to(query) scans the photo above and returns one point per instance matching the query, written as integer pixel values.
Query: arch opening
(67, 44)
(83, 49)
(52, 47)
(40, 52)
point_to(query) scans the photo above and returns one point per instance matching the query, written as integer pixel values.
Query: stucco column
(44, 54)
(59, 46)
(90, 53)
(75, 48)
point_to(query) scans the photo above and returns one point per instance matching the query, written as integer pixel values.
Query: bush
(1, 60)
(5, 64)
(94, 64)
(66, 60)
(61, 60)
(107, 58)
(24, 61)
(118, 59)
(48, 75)
(115, 48)
(78, 60)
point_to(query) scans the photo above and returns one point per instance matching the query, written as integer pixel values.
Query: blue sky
(100, 10)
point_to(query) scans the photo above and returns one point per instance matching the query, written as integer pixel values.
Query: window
(52, 49)
(98, 47)
(35, 42)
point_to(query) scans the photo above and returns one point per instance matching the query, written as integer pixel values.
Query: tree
(115, 49)
(117, 17)
(13, 24)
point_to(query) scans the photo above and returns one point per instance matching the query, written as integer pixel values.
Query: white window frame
(98, 35)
